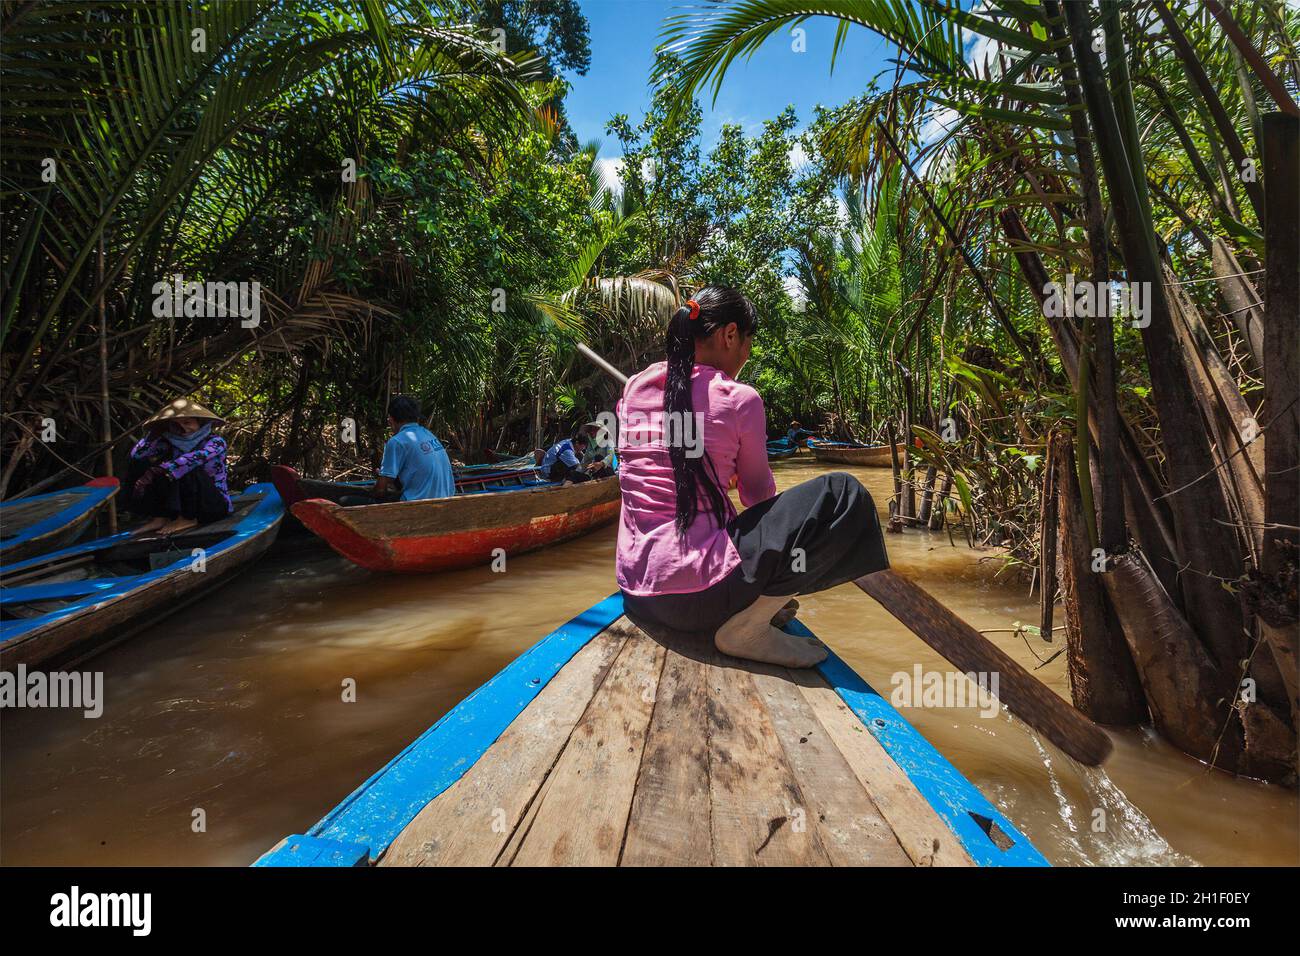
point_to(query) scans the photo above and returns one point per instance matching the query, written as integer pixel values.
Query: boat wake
(1105, 828)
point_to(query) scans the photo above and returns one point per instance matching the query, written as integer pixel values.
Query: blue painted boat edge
(372, 816)
(88, 497)
(365, 824)
(267, 512)
(942, 785)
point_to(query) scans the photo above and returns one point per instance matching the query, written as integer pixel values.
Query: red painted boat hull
(443, 534)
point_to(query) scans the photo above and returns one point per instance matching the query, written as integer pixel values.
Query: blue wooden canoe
(602, 746)
(64, 606)
(781, 448)
(46, 522)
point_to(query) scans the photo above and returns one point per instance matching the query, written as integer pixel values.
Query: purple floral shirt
(211, 455)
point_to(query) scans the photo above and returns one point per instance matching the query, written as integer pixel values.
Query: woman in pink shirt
(688, 431)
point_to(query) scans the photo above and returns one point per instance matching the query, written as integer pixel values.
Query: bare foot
(771, 646)
(149, 527)
(784, 616)
(178, 526)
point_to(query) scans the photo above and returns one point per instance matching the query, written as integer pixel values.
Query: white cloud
(611, 172)
(981, 51)
(795, 291)
(798, 157)
(939, 120)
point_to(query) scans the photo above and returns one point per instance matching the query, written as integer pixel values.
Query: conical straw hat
(183, 408)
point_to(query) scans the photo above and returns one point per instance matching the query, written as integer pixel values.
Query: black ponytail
(712, 308)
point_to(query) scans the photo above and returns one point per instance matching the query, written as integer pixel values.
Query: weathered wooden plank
(753, 792)
(669, 823)
(382, 807)
(582, 816)
(849, 827)
(988, 836)
(470, 823)
(921, 833)
(506, 856)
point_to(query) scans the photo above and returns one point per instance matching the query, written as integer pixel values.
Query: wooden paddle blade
(962, 645)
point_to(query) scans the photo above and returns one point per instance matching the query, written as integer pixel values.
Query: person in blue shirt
(415, 464)
(563, 460)
(797, 435)
(413, 458)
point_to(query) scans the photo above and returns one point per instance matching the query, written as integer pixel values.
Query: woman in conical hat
(177, 476)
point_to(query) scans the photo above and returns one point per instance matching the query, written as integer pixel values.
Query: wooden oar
(970, 651)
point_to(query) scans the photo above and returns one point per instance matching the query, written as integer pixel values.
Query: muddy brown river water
(236, 708)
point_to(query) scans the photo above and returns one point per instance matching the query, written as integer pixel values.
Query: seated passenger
(686, 560)
(563, 460)
(176, 478)
(415, 465)
(599, 460)
(797, 434)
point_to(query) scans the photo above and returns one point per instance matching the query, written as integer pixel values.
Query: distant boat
(851, 453)
(64, 606)
(781, 448)
(29, 526)
(440, 534)
(603, 746)
(294, 488)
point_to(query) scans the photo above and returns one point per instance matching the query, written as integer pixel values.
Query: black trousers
(813, 537)
(561, 472)
(193, 495)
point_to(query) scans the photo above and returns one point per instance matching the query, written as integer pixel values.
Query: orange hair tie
(694, 307)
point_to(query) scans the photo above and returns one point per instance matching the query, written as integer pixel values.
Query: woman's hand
(144, 481)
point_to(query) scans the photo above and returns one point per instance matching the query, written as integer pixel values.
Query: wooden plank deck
(602, 745)
(646, 751)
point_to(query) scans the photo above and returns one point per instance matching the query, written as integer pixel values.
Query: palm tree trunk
(1104, 683)
(1148, 514)
(1281, 411)
(1241, 298)
(1201, 517)
(1113, 536)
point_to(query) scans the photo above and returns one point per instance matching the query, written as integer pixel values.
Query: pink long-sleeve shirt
(731, 427)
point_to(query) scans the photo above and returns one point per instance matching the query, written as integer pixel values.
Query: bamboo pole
(1047, 546)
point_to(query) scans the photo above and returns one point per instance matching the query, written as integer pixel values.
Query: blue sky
(624, 34)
